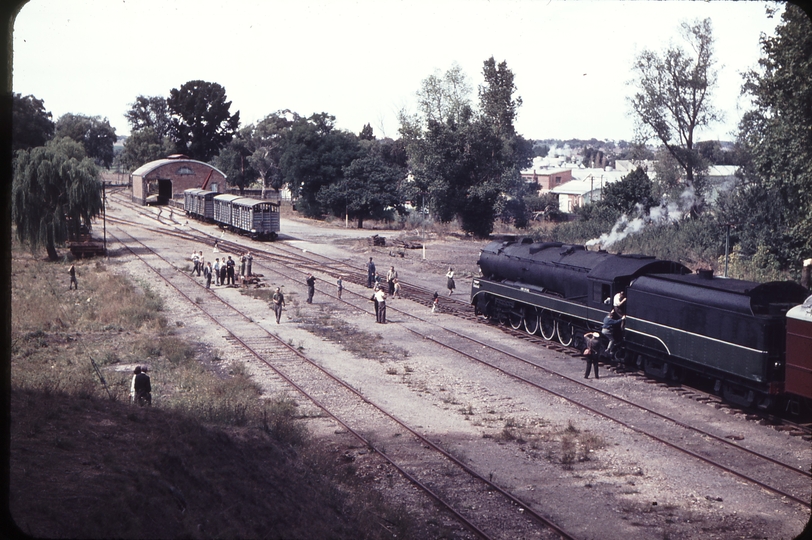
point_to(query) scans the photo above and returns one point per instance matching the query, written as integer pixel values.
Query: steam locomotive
(678, 323)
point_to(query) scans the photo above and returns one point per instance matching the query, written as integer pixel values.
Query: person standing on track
(311, 287)
(339, 286)
(370, 273)
(278, 300)
(450, 283)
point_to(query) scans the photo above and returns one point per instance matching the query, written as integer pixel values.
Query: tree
(444, 97)
(632, 190)
(150, 112)
(313, 155)
(31, 124)
(95, 134)
(200, 122)
(773, 204)
(234, 160)
(267, 147)
(496, 102)
(673, 96)
(369, 186)
(55, 187)
(143, 146)
(366, 133)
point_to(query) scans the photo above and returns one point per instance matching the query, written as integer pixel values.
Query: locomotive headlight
(475, 284)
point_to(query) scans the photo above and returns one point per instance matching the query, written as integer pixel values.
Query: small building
(546, 179)
(159, 181)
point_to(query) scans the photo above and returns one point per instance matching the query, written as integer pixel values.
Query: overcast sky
(363, 60)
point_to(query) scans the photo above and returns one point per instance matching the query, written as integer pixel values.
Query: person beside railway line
(223, 271)
(243, 261)
(339, 286)
(391, 276)
(207, 274)
(380, 296)
(230, 264)
(374, 300)
(200, 263)
(278, 300)
(435, 302)
(195, 262)
(396, 292)
(73, 282)
(593, 343)
(217, 271)
(450, 283)
(311, 287)
(370, 273)
(249, 262)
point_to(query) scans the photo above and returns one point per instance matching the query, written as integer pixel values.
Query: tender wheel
(565, 333)
(516, 318)
(547, 325)
(531, 321)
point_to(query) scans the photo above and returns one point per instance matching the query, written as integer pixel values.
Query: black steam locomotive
(729, 331)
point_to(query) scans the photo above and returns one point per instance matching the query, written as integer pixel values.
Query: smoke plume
(667, 212)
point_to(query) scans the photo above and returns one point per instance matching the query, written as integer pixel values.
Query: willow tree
(56, 188)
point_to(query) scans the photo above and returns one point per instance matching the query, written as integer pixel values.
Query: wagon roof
(227, 197)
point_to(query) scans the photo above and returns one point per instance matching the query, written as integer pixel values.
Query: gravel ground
(593, 478)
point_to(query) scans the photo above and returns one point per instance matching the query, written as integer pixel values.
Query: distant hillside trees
(55, 187)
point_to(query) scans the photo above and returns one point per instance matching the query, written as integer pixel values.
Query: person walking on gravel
(278, 300)
(195, 263)
(450, 275)
(311, 287)
(380, 296)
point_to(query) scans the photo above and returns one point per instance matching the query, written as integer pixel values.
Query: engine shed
(162, 180)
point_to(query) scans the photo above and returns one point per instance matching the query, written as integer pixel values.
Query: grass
(193, 463)
(358, 342)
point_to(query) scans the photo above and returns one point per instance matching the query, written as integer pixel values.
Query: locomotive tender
(730, 331)
(245, 215)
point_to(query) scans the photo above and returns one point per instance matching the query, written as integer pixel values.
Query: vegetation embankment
(212, 457)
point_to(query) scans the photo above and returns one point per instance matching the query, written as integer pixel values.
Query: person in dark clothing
(311, 287)
(593, 343)
(230, 270)
(370, 273)
(249, 261)
(142, 387)
(223, 272)
(612, 328)
(243, 261)
(207, 274)
(73, 283)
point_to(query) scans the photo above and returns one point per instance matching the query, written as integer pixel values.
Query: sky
(362, 61)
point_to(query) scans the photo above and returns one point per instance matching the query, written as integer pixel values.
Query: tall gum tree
(673, 97)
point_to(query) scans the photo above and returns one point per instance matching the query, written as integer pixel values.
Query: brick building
(159, 181)
(547, 179)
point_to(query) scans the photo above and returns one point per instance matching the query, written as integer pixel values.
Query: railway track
(730, 456)
(484, 508)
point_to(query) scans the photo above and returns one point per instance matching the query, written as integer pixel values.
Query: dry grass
(85, 463)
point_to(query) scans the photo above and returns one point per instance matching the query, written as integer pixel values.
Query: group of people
(374, 279)
(222, 272)
(612, 330)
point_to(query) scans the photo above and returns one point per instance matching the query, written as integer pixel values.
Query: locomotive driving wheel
(516, 317)
(531, 321)
(565, 333)
(547, 325)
